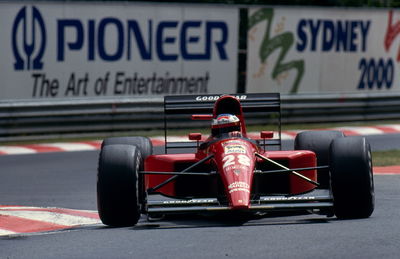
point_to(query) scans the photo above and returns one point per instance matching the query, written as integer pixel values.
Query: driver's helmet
(225, 123)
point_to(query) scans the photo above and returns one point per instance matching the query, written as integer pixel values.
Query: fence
(22, 120)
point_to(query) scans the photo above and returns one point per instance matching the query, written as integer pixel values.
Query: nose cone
(235, 160)
(239, 195)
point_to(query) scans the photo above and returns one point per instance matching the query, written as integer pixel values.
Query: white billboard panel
(323, 50)
(71, 50)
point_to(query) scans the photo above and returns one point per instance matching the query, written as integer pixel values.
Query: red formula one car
(326, 173)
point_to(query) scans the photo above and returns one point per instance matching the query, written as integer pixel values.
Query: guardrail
(341, 107)
(29, 120)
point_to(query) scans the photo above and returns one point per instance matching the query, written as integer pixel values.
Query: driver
(225, 123)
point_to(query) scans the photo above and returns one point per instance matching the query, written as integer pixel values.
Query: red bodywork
(235, 160)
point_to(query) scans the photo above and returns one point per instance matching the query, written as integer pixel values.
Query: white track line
(393, 126)
(71, 146)
(52, 217)
(4, 232)
(43, 219)
(16, 150)
(362, 130)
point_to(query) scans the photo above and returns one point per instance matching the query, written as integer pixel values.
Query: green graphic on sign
(283, 41)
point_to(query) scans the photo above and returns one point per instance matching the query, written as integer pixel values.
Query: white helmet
(225, 123)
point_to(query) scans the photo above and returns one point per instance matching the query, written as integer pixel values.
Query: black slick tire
(146, 149)
(319, 142)
(118, 185)
(143, 143)
(352, 178)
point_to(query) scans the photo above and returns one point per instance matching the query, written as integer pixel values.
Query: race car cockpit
(224, 124)
(227, 118)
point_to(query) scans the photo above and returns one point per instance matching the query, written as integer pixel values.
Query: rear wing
(267, 103)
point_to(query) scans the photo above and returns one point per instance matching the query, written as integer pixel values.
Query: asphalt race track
(67, 180)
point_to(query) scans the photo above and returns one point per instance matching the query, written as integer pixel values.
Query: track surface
(67, 180)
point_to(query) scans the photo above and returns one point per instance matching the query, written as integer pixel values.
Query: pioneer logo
(112, 39)
(28, 39)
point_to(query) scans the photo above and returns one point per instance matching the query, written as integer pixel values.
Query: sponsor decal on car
(216, 97)
(237, 169)
(234, 142)
(237, 149)
(239, 186)
(293, 198)
(189, 201)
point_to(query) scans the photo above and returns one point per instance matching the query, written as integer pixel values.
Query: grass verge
(386, 158)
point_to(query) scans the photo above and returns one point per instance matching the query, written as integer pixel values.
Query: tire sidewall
(118, 185)
(352, 181)
(145, 146)
(319, 142)
(143, 143)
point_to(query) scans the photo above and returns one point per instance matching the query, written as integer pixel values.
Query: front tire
(352, 178)
(143, 143)
(118, 185)
(146, 149)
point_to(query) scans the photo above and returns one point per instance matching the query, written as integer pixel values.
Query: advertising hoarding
(323, 50)
(79, 50)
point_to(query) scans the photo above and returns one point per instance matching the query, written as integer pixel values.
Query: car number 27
(230, 160)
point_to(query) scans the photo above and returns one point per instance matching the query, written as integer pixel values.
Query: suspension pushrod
(178, 173)
(296, 169)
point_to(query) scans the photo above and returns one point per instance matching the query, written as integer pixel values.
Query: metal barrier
(28, 120)
(340, 107)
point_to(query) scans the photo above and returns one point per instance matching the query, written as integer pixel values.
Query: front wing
(318, 201)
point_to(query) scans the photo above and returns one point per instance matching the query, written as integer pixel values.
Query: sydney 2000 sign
(315, 50)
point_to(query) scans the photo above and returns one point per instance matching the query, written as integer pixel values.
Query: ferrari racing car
(231, 170)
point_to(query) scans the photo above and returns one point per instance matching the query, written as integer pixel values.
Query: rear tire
(318, 142)
(352, 178)
(118, 185)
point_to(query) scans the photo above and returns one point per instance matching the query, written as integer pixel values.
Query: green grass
(386, 158)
